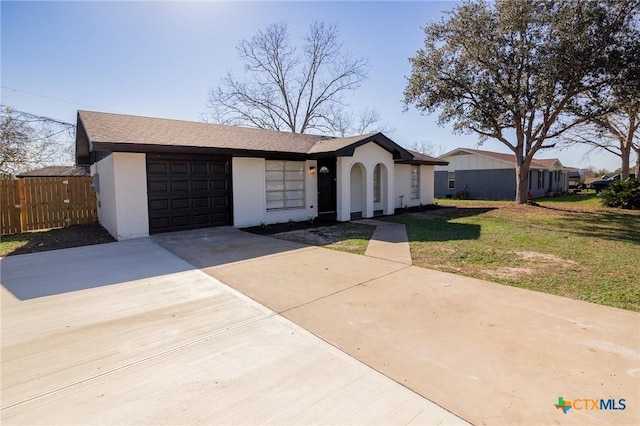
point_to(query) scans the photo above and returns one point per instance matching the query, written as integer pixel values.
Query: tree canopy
(516, 71)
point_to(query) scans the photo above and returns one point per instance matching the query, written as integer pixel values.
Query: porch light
(312, 170)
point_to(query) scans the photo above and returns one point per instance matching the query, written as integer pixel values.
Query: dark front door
(187, 192)
(327, 185)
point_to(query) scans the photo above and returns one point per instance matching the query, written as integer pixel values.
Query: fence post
(23, 205)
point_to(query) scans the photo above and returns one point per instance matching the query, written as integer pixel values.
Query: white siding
(464, 161)
(249, 195)
(122, 195)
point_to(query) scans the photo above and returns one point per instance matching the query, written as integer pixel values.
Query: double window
(451, 177)
(284, 184)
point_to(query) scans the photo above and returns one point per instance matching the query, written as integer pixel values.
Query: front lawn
(54, 239)
(570, 246)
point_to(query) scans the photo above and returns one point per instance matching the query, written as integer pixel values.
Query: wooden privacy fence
(30, 204)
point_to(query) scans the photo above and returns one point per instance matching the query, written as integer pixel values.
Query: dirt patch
(327, 235)
(278, 228)
(542, 257)
(507, 272)
(54, 239)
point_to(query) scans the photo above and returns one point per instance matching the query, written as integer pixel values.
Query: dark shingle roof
(419, 158)
(110, 129)
(58, 171)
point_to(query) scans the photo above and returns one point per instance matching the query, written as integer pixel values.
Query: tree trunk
(637, 163)
(522, 181)
(625, 152)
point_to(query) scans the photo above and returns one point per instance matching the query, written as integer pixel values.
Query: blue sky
(161, 58)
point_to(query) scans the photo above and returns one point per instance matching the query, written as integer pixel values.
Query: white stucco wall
(427, 184)
(368, 156)
(249, 195)
(103, 178)
(403, 186)
(122, 195)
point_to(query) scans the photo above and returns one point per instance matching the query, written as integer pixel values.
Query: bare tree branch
(28, 141)
(285, 88)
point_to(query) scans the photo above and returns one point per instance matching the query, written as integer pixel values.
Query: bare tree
(28, 141)
(615, 132)
(344, 122)
(428, 148)
(290, 89)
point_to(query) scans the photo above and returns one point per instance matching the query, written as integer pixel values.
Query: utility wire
(50, 97)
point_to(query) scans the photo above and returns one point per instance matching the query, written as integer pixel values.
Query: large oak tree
(513, 70)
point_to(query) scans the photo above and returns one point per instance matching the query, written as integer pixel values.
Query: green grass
(53, 239)
(567, 246)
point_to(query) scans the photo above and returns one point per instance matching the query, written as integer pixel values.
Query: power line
(50, 97)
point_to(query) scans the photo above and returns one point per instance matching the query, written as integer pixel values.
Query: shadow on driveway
(30, 276)
(204, 248)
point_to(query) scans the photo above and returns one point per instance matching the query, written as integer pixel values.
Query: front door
(327, 185)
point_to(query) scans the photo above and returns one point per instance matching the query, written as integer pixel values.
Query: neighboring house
(157, 175)
(477, 174)
(57, 171)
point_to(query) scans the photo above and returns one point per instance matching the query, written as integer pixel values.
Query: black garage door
(187, 192)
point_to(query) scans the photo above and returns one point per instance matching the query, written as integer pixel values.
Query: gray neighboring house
(57, 171)
(478, 174)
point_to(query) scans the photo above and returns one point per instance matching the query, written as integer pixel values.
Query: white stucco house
(156, 175)
(479, 174)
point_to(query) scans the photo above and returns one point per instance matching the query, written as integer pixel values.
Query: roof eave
(186, 149)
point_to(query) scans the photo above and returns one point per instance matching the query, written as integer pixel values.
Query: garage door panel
(179, 168)
(156, 205)
(201, 202)
(157, 185)
(180, 203)
(157, 168)
(200, 185)
(187, 193)
(199, 169)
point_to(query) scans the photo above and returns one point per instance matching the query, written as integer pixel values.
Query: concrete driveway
(489, 353)
(127, 333)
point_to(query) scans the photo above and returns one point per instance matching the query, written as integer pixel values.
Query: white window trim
(288, 185)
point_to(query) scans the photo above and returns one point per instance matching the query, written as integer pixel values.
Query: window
(415, 182)
(285, 184)
(452, 180)
(376, 184)
(540, 179)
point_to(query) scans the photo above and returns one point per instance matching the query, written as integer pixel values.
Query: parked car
(601, 184)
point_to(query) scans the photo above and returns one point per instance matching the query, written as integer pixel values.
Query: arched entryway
(380, 187)
(358, 200)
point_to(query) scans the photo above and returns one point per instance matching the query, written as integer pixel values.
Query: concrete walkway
(389, 241)
(491, 354)
(127, 333)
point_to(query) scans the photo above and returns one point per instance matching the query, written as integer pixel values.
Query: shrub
(622, 193)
